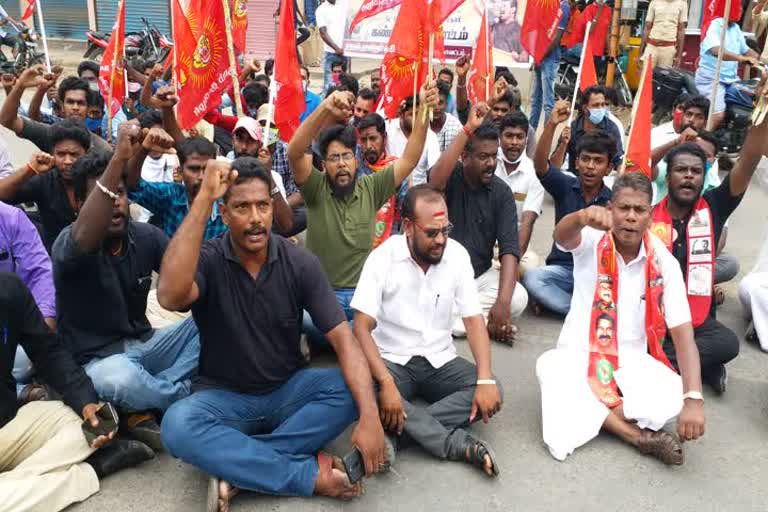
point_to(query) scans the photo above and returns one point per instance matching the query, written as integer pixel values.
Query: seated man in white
(609, 369)
(410, 288)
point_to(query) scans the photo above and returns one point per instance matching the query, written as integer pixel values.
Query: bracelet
(485, 381)
(106, 191)
(467, 131)
(459, 86)
(30, 168)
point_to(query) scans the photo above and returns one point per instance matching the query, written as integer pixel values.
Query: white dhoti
(571, 413)
(753, 294)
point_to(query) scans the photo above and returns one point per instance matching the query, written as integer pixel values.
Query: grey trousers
(439, 427)
(726, 267)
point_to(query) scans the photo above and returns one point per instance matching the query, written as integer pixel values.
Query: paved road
(722, 472)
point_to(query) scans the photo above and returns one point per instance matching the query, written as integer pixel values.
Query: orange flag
(588, 76)
(540, 26)
(239, 11)
(289, 100)
(111, 71)
(202, 72)
(638, 155)
(480, 83)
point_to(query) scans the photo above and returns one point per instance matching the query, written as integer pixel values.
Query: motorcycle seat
(98, 35)
(572, 60)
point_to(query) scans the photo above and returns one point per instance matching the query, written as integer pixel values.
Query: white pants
(488, 289)
(41, 460)
(571, 413)
(753, 293)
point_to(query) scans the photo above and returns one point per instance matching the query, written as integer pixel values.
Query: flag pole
(716, 80)
(415, 91)
(489, 50)
(578, 75)
(430, 71)
(43, 36)
(112, 72)
(232, 63)
(648, 63)
(270, 112)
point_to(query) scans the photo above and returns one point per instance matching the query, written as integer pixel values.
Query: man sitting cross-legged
(258, 418)
(405, 301)
(609, 369)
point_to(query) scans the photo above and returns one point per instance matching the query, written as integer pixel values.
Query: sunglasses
(433, 232)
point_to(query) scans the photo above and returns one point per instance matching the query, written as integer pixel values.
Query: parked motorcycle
(739, 100)
(149, 43)
(668, 84)
(565, 83)
(26, 53)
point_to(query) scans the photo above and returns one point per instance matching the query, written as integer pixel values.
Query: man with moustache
(365, 103)
(604, 294)
(102, 267)
(341, 207)
(484, 213)
(686, 216)
(405, 301)
(399, 132)
(444, 124)
(609, 370)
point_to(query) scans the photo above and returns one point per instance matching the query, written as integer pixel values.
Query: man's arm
(33, 112)
(462, 100)
(10, 187)
(658, 154)
(153, 139)
(690, 422)
(560, 113)
(568, 230)
(680, 43)
(33, 265)
(336, 106)
(330, 42)
(487, 399)
(752, 151)
(9, 113)
(415, 146)
(526, 230)
(646, 32)
(441, 172)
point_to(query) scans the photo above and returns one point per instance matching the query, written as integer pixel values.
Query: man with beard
(258, 419)
(686, 216)
(399, 134)
(169, 202)
(446, 126)
(73, 101)
(484, 213)
(364, 104)
(102, 266)
(515, 168)
(411, 288)
(609, 370)
(551, 286)
(342, 207)
(46, 179)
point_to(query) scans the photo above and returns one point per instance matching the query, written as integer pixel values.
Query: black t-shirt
(250, 328)
(48, 192)
(21, 323)
(481, 217)
(721, 205)
(101, 299)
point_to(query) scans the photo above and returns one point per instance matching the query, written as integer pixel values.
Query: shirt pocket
(138, 295)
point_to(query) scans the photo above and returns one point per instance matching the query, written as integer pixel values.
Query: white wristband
(106, 191)
(693, 395)
(486, 381)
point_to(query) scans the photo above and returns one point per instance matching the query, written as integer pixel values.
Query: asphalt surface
(722, 471)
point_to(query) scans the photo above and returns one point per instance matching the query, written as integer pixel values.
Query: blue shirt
(577, 131)
(168, 201)
(566, 191)
(313, 101)
(734, 43)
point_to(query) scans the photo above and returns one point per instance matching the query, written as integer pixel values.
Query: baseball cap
(250, 125)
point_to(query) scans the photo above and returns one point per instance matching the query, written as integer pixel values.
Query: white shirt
(631, 300)
(275, 175)
(334, 18)
(448, 132)
(396, 141)
(414, 310)
(6, 167)
(615, 120)
(663, 134)
(160, 170)
(525, 185)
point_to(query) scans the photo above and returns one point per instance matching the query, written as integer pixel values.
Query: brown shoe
(34, 393)
(143, 427)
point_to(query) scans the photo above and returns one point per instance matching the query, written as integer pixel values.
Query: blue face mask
(596, 115)
(93, 125)
(707, 166)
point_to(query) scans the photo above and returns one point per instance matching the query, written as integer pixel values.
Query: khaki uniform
(665, 15)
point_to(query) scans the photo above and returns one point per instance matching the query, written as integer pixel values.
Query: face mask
(596, 115)
(94, 86)
(707, 166)
(92, 124)
(304, 85)
(511, 162)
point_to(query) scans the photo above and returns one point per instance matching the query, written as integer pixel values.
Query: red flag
(202, 66)
(111, 72)
(588, 76)
(480, 80)
(289, 100)
(439, 10)
(372, 8)
(714, 9)
(239, 12)
(405, 48)
(29, 11)
(540, 27)
(638, 155)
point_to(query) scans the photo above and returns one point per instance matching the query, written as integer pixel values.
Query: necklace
(116, 252)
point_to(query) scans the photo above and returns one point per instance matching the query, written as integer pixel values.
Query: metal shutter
(157, 12)
(262, 28)
(65, 18)
(12, 8)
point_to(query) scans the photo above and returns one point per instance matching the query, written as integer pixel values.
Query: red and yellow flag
(540, 27)
(638, 155)
(289, 100)
(112, 71)
(372, 8)
(239, 12)
(480, 79)
(29, 11)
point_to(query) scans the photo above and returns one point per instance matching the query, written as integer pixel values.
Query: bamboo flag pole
(646, 63)
(716, 80)
(578, 75)
(270, 112)
(112, 73)
(43, 35)
(415, 90)
(232, 63)
(430, 72)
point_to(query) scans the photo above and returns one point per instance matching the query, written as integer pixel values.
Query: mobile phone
(108, 423)
(354, 465)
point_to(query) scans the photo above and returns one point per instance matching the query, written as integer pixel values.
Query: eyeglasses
(433, 232)
(334, 159)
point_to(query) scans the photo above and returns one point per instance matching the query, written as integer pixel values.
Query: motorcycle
(565, 83)
(149, 43)
(25, 53)
(739, 100)
(668, 84)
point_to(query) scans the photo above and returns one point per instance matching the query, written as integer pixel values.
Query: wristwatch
(693, 395)
(274, 191)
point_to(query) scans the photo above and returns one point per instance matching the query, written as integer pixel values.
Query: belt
(659, 43)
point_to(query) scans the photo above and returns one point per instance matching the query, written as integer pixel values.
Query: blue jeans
(544, 87)
(315, 338)
(329, 59)
(22, 369)
(263, 443)
(550, 286)
(151, 374)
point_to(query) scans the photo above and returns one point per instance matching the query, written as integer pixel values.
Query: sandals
(661, 445)
(214, 502)
(475, 455)
(719, 295)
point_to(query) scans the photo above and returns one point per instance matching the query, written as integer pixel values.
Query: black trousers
(717, 345)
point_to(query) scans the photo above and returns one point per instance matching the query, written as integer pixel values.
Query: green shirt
(660, 190)
(340, 231)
